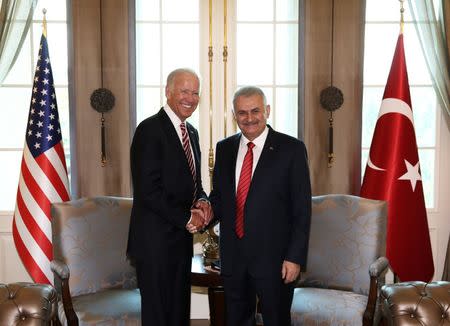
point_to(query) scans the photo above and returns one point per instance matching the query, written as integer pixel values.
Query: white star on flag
(412, 174)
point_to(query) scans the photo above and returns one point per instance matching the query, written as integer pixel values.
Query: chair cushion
(114, 307)
(90, 236)
(327, 307)
(347, 235)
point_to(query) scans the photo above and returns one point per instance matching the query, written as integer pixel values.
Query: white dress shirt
(259, 145)
(176, 123)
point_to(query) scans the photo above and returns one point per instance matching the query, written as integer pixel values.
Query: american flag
(43, 174)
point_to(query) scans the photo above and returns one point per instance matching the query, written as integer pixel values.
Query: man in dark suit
(165, 167)
(262, 197)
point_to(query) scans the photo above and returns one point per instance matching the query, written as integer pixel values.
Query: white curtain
(430, 29)
(15, 20)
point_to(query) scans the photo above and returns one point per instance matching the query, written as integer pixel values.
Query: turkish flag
(393, 174)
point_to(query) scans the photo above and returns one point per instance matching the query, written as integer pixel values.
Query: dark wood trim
(369, 313)
(72, 319)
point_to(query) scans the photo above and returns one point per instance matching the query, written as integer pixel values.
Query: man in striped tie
(262, 197)
(165, 168)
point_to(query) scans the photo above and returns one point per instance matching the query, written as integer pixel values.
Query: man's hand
(197, 221)
(289, 271)
(206, 208)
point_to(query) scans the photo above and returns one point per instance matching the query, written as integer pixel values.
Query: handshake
(201, 215)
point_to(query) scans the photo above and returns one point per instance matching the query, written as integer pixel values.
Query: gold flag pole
(402, 20)
(44, 23)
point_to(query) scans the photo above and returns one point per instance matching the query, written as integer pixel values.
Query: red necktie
(242, 190)
(187, 151)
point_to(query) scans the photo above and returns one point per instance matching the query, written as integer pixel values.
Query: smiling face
(182, 94)
(251, 115)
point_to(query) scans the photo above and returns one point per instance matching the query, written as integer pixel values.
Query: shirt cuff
(190, 220)
(205, 200)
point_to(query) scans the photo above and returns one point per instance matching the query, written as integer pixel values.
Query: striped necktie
(187, 151)
(242, 190)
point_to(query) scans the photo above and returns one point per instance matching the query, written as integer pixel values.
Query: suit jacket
(277, 211)
(163, 190)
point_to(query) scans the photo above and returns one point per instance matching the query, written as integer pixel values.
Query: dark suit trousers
(165, 288)
(242, 289)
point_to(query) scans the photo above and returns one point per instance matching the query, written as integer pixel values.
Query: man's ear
(167, 91)
(267, 110)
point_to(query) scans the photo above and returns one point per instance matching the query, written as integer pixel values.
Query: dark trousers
(242, 289)
(165, 288)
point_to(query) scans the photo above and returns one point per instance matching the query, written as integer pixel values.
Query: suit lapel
(172, 138)
(232, 161)
(265, 161)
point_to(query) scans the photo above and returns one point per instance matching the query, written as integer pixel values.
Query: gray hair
(176, 72)
(247, 91)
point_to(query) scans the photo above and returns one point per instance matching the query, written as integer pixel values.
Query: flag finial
(44, 23)
(402, 21)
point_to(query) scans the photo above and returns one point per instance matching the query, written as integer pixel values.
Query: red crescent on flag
(392, 105)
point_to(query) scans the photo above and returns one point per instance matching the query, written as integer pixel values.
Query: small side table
(200, 276)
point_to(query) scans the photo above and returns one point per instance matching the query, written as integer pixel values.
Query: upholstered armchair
(94, 280)
(346, 263)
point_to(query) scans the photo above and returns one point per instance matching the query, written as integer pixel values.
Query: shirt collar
(258, 141)
(172, 116)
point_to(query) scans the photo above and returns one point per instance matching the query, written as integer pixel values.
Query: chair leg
(383, 322)
(55, 321)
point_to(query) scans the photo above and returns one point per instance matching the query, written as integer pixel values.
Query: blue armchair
(346, 263)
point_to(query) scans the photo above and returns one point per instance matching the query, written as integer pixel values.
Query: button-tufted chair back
(416, 303)
(27, 304)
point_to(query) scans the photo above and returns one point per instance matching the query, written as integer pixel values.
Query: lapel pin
(271, 148)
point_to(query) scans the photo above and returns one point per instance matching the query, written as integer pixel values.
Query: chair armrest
(60, 269)
(377, 271)
(62, 273)
(378, 267)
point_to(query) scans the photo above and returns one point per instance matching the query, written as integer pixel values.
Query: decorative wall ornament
(331, 98)
(102, 101)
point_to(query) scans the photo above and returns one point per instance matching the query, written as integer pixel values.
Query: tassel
(103, 141)
(330, 141)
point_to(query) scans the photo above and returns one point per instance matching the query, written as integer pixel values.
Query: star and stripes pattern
(43, 174)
